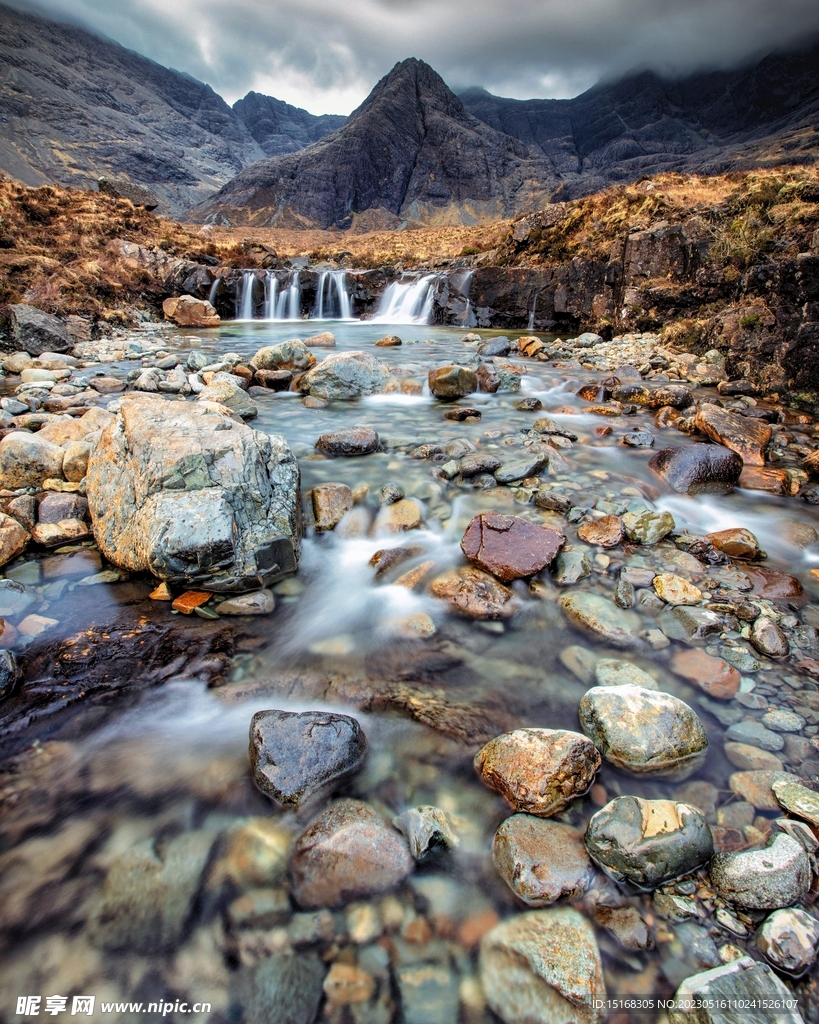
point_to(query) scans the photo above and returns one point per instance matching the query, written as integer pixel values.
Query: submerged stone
(729, 994)
(776, 876)
(510, 547)
(788, 939)
(541, 861)
(598, 615)
(698, 468)
(426, 829)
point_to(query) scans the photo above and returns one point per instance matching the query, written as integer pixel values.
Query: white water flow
(212, 294)
(407, 302)
(288, 304)
(531, 326)
(465, 287)
(246, 307)
(330, 281)
(271, 292)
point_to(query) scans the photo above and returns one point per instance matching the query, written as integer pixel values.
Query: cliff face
(74, 107)
(279, 127)
(707, 123)
(409, 153)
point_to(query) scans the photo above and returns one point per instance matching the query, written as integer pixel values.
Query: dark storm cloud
(326, 57)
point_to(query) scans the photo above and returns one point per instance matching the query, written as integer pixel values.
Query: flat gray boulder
(185, 491)
(34, 331)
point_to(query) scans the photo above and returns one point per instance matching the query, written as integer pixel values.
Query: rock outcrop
(195, 497)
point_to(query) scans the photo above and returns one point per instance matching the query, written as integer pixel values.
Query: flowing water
(166, 769)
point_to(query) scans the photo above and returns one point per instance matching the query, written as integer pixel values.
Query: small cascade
(246, 298)
(213, 290)
(271, 292)
(531, 325)
(330, 281)
(407, 302)
(465, 288)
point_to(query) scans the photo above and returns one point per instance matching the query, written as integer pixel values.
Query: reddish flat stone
(191, 599)
(713, 676)
(607, 531)
(510, 547)
(772, 584)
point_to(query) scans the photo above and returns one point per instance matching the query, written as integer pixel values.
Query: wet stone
(776, 876)
(771, 583)
(571, 566)
(538, 771)
(260, 602)
(747, 437)
(520, 469)
(768, 638)
(283, 989)
(626, 925)
(686, 623)
(698, 468)
(450, 382)
(607, 532)
(429, 993)
(755, 734)
(542, 967)
(644, 731)
(725, 994)
(349, 852)
(354, 441)
(798, 799)
(751, 758)
(475, 463)
(330, 503)
(647, 527)
(426, 829)
(648, 842)
(737, 543)
(756, 786)
(541, 861)
(713, 676)
(601, 617)
(675, 590)
(788, 940)
(473, 594)
(613, 672)
(9, 674)
(510, 547)
(295, 756)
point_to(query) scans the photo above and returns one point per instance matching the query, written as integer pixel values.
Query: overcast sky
(326, 55)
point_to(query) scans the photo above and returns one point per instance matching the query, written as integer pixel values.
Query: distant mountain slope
(409, 153)
(280, 128)
(643, 124)
(74, 107)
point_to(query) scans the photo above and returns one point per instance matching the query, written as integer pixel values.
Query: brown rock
(190, 600)
(542, 861)
(510, 547)
(755, 787)
(185, 311)
(712, 675)
(675, 590)
(737, 542)
(538, 771)
(607, 532)
(403, 514)
(346, 983)
(107, 385)
(349, 852)
(770, 583)
(52, 535)
(530, 346)
(450, 382)
(387, 558)
(488, 378)
(462, 413)
(56, 507)
(775, 481)
(274, 380)
(390, 341)
(698, 468)
(161, 593)
(413, 578)
(353, 441)
(13, 538)
(330, 503)
(811, 463)
(323, 340)
(473, 594)
(748, 758)
(745, 436)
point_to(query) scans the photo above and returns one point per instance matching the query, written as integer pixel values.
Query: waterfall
(531, 326)
(246, 302)
(465, 286)
(271, 291)
(407, 302)
(213, 289)
(329, 281)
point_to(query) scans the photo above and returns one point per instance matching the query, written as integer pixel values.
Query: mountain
(280, 128)
(643, 124)
(74, 107)
(411, 153)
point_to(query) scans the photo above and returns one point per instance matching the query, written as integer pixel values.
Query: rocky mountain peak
(412, 83)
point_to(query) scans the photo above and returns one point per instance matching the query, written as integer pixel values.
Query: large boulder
(186, 311)
(344, 376)
(35, 331)
(136, 194)
(747, 437)
(292, 354)
(26, 460)
(195, 497)
(698, 468)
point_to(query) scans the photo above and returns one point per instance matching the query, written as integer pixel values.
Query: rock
(747, 437)
(343, 376)
(642, 731)
(34, 331)
(290, 355)
(489, 380)
(541, 861)
(13, 538)
(639, 439)
(607, 532)
(494, 347)
(713, 676)
(138, 195)
(325, 339)
(330, 503)
(674, 396)
(55, 507)
(223, 392)
(194, 497)
(260, 602)
(755, 734)
(647, 527)
(675, 590)
(346, 984)
(527, 404)
(75, 460)
(349, 852)
(9, 673)
(450, 382)
(404, 514)
(520, 469)
(474, 463)
(188, 602)
(698, 468)
(774, 481)
(473, 594)
(768, 638)
(648, 842)
(389, 341)
(26, 460)
(186, 311)
(295, 756)
(282, 989)
(797, 799)
(737, 543)
(426, 829)
(771, 583)
(686, 623)
(538, 771)
(510, 547)
(543, 967)
(17, 362)
(776, 876)
(724, 994)
(352, 441)
(783, 721)
(148, 894)
(788, 940)
(571, 566)
(613, 672)
(256, 854)
(757, 787)
(602, 618)
(52, 535)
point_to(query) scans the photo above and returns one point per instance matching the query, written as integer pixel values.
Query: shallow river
(167, 765)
